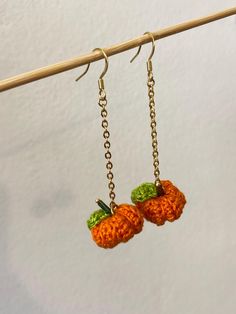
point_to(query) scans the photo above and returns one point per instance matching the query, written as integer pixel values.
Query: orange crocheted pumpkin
(162, 208)
(109, 229)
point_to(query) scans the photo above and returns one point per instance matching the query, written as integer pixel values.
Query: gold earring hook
(88, 65)
(139, 48)
(106, 61)
(86, 70)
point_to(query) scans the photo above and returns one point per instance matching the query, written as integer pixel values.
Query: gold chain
(106, 134)
(153, 124)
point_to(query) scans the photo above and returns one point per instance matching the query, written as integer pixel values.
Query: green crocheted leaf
(144, 192)
(96, 217)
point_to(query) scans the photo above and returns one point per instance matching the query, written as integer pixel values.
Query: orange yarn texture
(167, 207)
(120, 227)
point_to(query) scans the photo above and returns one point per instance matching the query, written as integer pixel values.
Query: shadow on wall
(14, 298)
(60, 199)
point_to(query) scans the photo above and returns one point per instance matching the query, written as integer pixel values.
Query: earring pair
(157, 202)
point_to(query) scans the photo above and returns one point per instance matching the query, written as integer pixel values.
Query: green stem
(104, 207)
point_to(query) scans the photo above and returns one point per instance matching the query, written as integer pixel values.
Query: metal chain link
(153, 124)
(106, 134)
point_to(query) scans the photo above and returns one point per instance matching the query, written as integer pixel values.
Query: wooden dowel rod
(49, 70)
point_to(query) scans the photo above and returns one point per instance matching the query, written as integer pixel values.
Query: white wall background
(52, 165)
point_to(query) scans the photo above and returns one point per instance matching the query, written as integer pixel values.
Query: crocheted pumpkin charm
(109, 229)
(159, 206)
